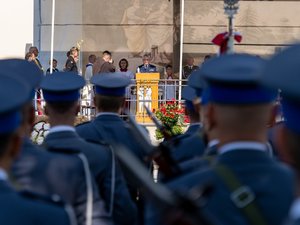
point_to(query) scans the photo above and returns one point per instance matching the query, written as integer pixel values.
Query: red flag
(222, 40)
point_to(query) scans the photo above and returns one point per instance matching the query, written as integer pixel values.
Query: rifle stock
(160, 154)
(178, 208)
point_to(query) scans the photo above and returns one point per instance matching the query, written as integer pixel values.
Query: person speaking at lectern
(146, 67)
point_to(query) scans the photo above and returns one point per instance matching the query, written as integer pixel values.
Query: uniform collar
(107, 113)
(241, 145)
(61, 128)
(3, 174)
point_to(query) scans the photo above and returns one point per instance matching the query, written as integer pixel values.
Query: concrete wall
(16, 22)
(129, 28)
(265, 25)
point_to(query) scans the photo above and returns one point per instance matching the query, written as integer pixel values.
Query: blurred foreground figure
(62, 92)
(50, 173)
(249, 187)
(283, 72)
(108, 126)
(26, 209)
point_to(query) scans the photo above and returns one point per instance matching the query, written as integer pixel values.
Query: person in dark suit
(17, 208)
(189, 68)
(108, 126)
(146, 67)
(282, 72)
(71, 63)
(34, 50)
(104, 64)
(61, 92)
(243, 175)
(35, 53)
(48, 173)
(54, 69)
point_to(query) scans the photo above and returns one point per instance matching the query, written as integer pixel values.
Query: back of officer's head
(238, 106)
(62, 92)
(110, 91)
(283, 72)
(109, 103)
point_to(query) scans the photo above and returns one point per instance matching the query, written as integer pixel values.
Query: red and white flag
(223, 38)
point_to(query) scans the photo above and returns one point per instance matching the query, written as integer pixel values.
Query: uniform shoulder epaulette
(53, 199)
(81, 124)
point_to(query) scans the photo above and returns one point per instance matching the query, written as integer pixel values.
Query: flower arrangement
(172, 116)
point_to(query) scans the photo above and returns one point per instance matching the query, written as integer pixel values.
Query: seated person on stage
(146, 67)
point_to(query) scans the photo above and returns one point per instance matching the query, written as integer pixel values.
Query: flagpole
(52, 37)
(181, 48)
(231, 7)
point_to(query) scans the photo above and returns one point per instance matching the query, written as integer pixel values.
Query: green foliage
(172, 117)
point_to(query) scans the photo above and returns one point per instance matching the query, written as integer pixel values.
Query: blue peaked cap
(62, 86)
(110, 84)
(23, 70)
(196, 81)
(283, 72)
(235, 79)
(189, 95)
(13, 95)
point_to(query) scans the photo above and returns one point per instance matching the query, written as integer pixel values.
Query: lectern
(147, 94)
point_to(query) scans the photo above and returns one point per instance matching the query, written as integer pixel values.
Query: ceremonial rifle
(183, 209)
(158, 125)
(160, 154)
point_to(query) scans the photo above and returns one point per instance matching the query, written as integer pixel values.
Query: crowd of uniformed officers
(238, 162)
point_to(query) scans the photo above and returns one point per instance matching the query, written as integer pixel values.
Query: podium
(147, 94)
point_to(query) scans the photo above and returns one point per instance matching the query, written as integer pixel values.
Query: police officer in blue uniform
(15, 208)
(189, 95)
(282, 72)
(249, 187)
(108, 126)
(61, 93)
(190, 144)
(45, 172)
(146, 67)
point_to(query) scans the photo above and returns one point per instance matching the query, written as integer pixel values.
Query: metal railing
(137, 94)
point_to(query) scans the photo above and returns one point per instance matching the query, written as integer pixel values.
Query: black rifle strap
(242, 196)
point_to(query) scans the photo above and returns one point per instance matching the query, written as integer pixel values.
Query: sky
(16, 23)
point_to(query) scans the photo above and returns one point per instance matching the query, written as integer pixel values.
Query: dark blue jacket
(17, 209)
(111, 128)
(101, 164)
(149, 69)
(49, 173)
(271, 182)
(188, 145)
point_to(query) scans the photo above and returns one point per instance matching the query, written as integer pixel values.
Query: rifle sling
(242, 196)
